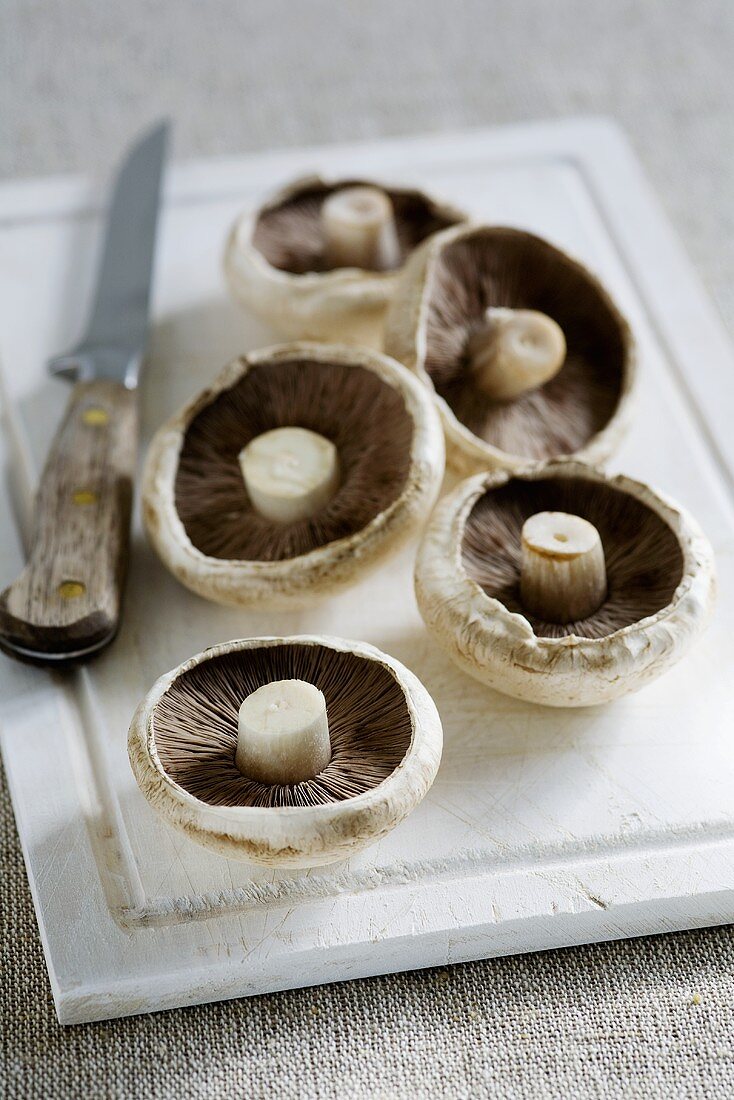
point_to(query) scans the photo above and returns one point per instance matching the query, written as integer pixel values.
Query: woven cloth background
(649, 1018)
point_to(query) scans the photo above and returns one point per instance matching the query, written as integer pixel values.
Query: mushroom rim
(426, 741)
(426, 452)
(600, 445)
(698, 558)
(373, 284)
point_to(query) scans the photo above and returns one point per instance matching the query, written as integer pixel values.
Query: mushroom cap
(660, 571)
(391, 457)
(447, 285)
(273, 263)
(384, 727)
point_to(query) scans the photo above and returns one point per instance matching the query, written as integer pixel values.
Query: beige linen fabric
(650, 1018)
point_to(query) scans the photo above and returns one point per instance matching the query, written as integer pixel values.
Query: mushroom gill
(361, 414)
(644, 561)
(196, 720)
(289, 232)
(496, 269)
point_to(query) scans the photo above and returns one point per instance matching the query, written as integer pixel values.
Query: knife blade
(65, 605)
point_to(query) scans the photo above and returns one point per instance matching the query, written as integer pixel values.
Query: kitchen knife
(65, 605)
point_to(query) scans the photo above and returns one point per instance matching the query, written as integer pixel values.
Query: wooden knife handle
(65, 605)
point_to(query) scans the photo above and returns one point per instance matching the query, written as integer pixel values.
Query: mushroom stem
(283, 733)
(358, 224)
(290, 473)
(563, 575)
(515, 350)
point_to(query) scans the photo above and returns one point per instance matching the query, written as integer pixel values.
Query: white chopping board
(544, 827)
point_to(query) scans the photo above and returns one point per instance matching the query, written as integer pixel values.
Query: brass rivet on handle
(84, 496)
(71, 590)
(95, 416)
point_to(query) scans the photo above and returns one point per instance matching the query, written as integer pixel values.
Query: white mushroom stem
(358, 225)
(563, 573)
(283, 733)
(515, 350)
(290, 473)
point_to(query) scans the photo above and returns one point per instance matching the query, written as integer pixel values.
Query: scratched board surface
(544, 826)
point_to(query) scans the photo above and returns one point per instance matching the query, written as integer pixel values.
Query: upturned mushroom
(562, 586)
(320, 260)
(527, 355)
(286, 751)
(298, 469)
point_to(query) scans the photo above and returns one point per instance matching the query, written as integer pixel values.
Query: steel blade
(115, 341)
